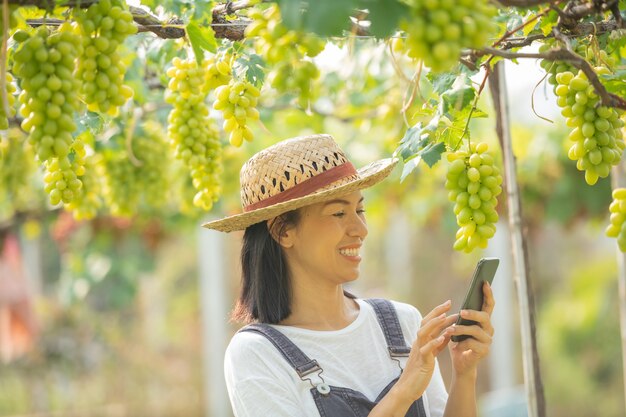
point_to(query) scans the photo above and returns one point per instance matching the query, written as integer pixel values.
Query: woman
(311, 348)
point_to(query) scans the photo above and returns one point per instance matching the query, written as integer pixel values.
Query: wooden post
(213, 295)
(618, 179)
(530, 356)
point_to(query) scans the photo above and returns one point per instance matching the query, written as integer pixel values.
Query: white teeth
(349, 252)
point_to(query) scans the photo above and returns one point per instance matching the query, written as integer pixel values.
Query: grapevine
(474, 183)
(437, 30)
(103, 26)
(192, 134)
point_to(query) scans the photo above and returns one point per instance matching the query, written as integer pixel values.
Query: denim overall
(334, 401)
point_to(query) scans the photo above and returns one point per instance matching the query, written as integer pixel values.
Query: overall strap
(388, 320)
(298, 360)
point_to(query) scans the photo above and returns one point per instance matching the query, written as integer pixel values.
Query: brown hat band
(306, 187)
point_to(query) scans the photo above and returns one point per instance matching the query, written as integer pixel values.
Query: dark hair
(265, 286)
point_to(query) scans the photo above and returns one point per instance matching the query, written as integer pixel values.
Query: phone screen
(485, 271)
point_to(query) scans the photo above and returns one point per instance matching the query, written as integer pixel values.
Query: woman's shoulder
(244, 344)
(408, 315)
(404, 309)
(251, 354)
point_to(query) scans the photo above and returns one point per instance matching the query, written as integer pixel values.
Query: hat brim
(368, 176)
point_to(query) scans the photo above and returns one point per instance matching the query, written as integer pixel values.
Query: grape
(237, 101)
(474, 183)
(103, 26)
(284, 50)
(437, 30)
(617, 228)
(596, 130)
(192, 133)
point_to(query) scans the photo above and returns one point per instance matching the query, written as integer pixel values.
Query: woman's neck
(316, 308)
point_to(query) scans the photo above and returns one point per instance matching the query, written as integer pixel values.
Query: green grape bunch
(617, 228)
(151, 148)
(474, 183)
(9, 110)
(17, 169)
(597, 130)
(89, 200)
(103, 27)
(44, 64)
(437, 30)
(121, 190)
(237, 101)
(193, 135)
(218, 70)
(285, 50)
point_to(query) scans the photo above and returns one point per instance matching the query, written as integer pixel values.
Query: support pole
(618, 179)
(213, 295)
(530, 355)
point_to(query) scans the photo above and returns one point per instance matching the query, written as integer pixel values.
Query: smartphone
(485, 271)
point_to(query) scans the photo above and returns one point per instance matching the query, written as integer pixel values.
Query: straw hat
(295, 173)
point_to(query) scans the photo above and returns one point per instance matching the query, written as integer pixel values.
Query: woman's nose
(358, 227)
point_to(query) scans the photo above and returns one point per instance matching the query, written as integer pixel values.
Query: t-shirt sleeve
(258, 380)
(410, 319)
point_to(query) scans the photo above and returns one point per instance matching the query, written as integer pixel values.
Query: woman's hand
(467, 353)
(431, 339)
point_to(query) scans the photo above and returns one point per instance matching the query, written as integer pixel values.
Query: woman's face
(326, 242)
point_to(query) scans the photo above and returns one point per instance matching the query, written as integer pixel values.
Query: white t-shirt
(261, 383)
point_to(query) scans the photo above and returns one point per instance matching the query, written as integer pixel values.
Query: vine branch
(608, 99)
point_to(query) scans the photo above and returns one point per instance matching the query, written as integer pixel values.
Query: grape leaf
(384, 15)
(459, 95)
(432, 153)
(441, 82)
(253, 66)
(323, 17)
(615, 83)
(291, 12)
(201, 39)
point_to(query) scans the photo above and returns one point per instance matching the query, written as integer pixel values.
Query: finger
(430, 329)
(481, 317)
(433, 347)
(476, 332)
(440, 325)
(435, 312)
(489, 302)
(478, 348)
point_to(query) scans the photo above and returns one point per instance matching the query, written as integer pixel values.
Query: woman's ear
(281, 232)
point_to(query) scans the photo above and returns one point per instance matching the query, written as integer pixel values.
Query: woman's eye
(339, 214)
(361, 211)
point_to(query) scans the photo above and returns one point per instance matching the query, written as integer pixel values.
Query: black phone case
(485, 271)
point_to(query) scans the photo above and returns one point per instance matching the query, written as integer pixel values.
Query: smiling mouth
(349, 252)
